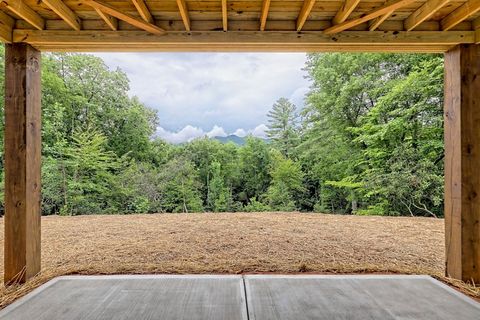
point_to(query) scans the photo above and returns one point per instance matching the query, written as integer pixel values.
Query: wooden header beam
(414, 41)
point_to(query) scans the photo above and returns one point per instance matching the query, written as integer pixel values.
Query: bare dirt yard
(237, 243)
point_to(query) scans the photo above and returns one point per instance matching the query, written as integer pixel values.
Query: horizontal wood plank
(241, 41)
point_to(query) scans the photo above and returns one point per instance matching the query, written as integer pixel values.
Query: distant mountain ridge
(233, 138)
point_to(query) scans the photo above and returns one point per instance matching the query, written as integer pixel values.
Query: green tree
(283, 126)
(287, 183)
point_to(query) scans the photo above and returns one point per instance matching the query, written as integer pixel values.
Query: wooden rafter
(345, 11)
(143, 10)
(304, 13)
(64, 12)
(6, 27)
(112, 22)
(466, 10)
(372, 15)
(427, 10)
(105, 8)
(224, 15)
(25, 12)
(264, 14)
(182, 6)
(375, 23)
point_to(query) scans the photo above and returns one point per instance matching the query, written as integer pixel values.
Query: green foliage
(283, 126)
(370, 141)
(373, 137)
(287, 183)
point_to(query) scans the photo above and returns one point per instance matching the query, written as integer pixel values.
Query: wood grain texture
(182, 7)
(462, 158)
(224, 15)
(110, 21)
(345, 11)
(365, 18)
(143, 10)
(22, 162)
(19, 8)
(264, 14)
(108, 9)
(64, 12)
(304, 13)
(238, 41)
(423, 13)
(6, 27)
(468, 9)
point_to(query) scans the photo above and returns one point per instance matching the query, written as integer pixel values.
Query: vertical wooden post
(22, 162)
(462, 162)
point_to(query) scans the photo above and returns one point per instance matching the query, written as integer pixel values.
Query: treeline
(369, 141)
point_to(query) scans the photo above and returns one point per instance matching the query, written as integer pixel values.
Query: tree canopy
(369, 140)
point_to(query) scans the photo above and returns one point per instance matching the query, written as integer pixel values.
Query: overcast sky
(212, 93)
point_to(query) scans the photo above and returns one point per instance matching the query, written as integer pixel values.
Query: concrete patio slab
(355, 297)
(254, 297)
(133, 298)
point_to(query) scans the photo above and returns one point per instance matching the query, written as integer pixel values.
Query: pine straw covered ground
(236, 243)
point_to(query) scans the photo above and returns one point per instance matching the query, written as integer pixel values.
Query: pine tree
(283, 126)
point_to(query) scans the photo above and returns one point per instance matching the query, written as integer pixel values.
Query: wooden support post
(462, 162)
(22, 162)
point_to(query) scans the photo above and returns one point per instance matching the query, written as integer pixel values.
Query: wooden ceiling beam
(369, 16)
(264, 14)
(143, 10)
(64, 12)
(19, 8)
(224, 15)
(6, 27)
(375, 23)
(345, 11)
(111, 22)
(182, 6)
(423, 13)
(241, 39)
(304, 13)
(106, 8)
(463, 12)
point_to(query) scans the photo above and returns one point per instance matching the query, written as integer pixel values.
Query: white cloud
(186, 134)
(189, 133)
(260, 131)
(216, 132)
(232, 90)
(240, 132)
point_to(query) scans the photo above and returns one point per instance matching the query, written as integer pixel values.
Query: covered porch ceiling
(241, 25)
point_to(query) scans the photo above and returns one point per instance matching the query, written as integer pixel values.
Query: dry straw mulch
(237, 243)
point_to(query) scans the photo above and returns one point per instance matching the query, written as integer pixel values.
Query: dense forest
(368, 141)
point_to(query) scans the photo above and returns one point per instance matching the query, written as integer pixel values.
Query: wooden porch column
(22, 162)
(462, 162)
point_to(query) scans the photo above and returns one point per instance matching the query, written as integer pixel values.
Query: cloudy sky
(213, 94)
